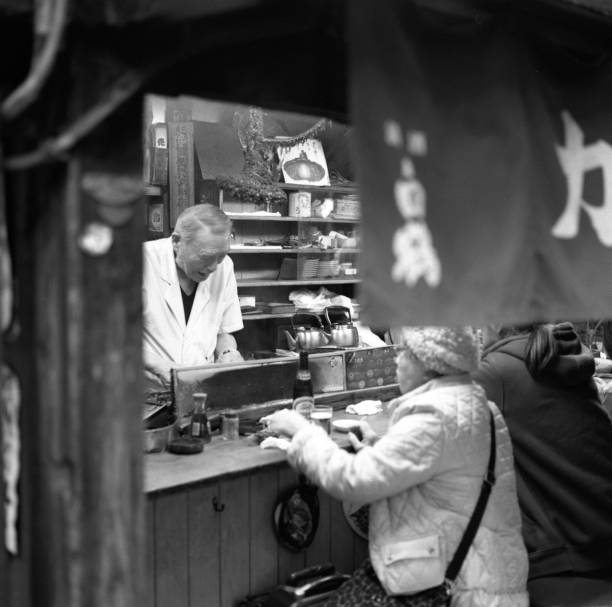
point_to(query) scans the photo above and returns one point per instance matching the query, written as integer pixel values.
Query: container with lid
(230, 425)
(300, 204)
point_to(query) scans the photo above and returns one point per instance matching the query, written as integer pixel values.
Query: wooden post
(90, 508)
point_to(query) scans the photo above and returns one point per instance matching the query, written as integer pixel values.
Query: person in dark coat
(541, 378)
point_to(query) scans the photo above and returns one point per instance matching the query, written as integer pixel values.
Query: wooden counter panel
(211, 538)
(199, 555)
(263, 548)
(235, 539)
(204, 546)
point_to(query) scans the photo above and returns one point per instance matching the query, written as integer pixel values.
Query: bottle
(200, 426)
(303, 395)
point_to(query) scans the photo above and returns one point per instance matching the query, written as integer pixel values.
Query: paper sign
(304, 163)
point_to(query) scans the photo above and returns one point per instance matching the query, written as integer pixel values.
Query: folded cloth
(272, 442)
(365, 407)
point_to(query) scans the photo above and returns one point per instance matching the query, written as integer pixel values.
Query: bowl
(155, 440)
(345, 425)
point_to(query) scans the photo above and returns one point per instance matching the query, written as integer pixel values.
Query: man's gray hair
(199, 216)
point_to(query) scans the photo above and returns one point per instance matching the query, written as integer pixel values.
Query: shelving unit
(254, 264)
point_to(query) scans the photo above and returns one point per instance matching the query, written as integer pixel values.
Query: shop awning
(485, 160)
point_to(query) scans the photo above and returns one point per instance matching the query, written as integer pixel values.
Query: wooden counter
(164, 471)
(221, 458)
(209, 520)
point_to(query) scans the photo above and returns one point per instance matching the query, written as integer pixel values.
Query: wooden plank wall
(86, 472)
(210, 545)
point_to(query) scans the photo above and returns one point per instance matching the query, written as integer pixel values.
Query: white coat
(422, 480)
(216, 309)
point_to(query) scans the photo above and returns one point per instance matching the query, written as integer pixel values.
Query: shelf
(264, 316)
(307, 251)
(282, 283)
(337, 189)
(247, 217)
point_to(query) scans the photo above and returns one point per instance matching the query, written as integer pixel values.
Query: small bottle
(303, 395)
(200, 426)
(230, 426)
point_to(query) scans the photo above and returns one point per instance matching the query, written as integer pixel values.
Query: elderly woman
(422, 478)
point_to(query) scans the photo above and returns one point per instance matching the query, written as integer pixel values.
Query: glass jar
(230, 426)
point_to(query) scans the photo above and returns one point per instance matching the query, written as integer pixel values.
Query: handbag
(296, 516)
(364, 589)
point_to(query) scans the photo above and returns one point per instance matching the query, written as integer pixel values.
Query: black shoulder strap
(470, 531)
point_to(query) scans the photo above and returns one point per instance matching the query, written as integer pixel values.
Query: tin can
(300, 204)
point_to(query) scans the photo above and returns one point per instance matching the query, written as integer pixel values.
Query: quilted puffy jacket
(422, 480)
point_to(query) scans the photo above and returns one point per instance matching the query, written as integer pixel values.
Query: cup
(321, 415)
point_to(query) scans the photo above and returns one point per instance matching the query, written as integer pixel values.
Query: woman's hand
(368, 436)
(285, 422)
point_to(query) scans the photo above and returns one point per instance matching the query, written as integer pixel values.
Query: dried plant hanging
(258, 181)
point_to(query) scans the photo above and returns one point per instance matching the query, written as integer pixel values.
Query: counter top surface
(166, 471)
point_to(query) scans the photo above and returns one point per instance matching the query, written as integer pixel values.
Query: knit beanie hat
(445, 350)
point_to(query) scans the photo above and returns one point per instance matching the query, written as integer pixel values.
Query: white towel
(365, 407)
(272, 442)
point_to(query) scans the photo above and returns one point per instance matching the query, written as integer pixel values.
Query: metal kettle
(305, 336)
(343, 332)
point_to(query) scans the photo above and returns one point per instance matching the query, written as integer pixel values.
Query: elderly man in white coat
(190, 297)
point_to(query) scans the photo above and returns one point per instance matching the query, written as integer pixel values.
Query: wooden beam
(89, 362)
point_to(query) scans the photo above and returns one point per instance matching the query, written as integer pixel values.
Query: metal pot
(342, 333)
(306, 337)
(156, 440)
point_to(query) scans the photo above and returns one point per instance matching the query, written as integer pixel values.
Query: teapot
(342, 333)
(306, 336)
